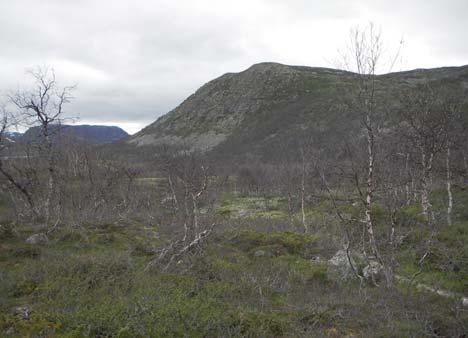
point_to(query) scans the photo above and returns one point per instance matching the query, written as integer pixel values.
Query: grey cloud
(134, 60)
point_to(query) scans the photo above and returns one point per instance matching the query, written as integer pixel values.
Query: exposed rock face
(254, 110)
(38, 239)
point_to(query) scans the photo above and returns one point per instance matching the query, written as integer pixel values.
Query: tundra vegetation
(325, 237)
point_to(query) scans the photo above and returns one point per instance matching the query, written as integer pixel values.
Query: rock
(260, 253)
(10, 331)
(316, 259)
(373, 272)
(22, 312)
(465, 301)
(242, 213)
(339, 266)
(167, 200)
(38, 239)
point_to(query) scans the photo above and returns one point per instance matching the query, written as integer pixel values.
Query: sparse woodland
(364, 234)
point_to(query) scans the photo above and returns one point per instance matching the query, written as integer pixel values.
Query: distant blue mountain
(84, 133)
(13, 135)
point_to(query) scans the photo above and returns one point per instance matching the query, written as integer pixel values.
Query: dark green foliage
(7, 231)
(287, 242)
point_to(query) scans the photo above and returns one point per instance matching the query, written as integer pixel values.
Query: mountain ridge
(246, 111)
(93, 134)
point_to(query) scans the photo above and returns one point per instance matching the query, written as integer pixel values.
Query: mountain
(85, 133)
(12, 136)
(258, 109)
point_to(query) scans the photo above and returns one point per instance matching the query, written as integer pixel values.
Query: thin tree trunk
(186, 209)
(449, 187)
(465, 165)
(290, 209)
(304, 222)
(50, 179)
(407, 184)
(195, 213)
(20, 187)
(425, 183)
(370, 186)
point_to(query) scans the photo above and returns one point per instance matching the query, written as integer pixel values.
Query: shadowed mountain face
(268, 104)
(84, 133)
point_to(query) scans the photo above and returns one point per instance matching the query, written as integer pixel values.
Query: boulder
(22, 312)
(316, 259)
(373, 272)
(38, 239)
(10, 331)
(260, 253)
(339, 265)
(465, 302)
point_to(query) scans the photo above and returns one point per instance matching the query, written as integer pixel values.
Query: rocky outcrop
(344, 267)
(348, 265)
(38, 239)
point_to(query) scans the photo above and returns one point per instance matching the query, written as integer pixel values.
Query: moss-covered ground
(245, 283)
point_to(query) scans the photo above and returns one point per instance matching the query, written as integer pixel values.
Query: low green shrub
(291, 242)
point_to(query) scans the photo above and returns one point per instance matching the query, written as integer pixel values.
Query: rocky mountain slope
(254, 110)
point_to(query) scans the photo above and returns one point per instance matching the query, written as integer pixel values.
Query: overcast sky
(134, 60)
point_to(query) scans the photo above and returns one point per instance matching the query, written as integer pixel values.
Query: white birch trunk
(50, 179)
(370, 186)
(195, 213)
(303, 177)
(425, 184)
(407, 184)
(449, 187)
(465, 164)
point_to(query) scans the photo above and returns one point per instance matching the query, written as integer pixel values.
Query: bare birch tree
(8, 120)
(44, 105)
(423, 123)
(363, 57)
(454, 138)
(188, 180)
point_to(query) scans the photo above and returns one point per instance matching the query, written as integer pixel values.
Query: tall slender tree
(363, 58)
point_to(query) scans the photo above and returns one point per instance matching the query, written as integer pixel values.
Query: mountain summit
(251, 110)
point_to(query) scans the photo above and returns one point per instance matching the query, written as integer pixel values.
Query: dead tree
(44, 106)
(188, 178)
(8, 121)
